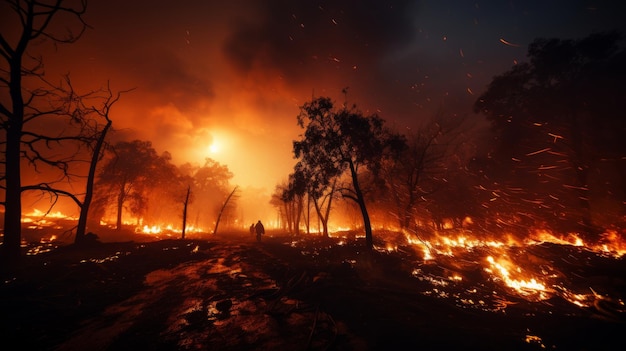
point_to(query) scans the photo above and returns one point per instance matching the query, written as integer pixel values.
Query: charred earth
(228, 292)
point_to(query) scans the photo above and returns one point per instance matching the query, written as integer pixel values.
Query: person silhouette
(260, 230)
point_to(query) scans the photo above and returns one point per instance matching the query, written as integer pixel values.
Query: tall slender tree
(343, 140)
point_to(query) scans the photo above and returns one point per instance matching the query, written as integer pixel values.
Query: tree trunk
(321, 218)
(217, 222)
(369, 240)
(13, 194)
(84, 208)
(13, 201)
(120, 205)
(308, 214)
(298, 214)
(289, 210)
(185, 212)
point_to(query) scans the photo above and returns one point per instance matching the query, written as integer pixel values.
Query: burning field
(450, 289)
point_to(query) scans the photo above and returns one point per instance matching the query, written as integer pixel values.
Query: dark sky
(232, 73)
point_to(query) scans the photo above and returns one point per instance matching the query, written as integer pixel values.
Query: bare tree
(185, 204)
(210, 184)
(94, 136)
(32, 102)
(224, 209)
(425, 166)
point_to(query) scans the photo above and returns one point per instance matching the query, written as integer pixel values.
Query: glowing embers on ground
(44, 245)
(35, 213)
(505, 270)
(165, 229)
(610, 243)
(492, 274)
(37, 219)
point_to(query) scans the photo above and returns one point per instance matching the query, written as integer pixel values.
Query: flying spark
(505, 42)
(538, 152)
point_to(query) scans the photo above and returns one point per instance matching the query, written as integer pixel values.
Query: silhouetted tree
(44, 124)
(185, 205)
(293, 198)
(224, 209)
(97, 145)
(128, 176)
(278, 201)
(560, 128)
(210, 185)
(426, 166)
(342, 140)
(319, 192)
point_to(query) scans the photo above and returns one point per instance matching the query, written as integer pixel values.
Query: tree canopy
(342, 140)
(133, 171)
(559, 126)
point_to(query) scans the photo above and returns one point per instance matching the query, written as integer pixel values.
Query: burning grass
(514, 285)
(555, 274)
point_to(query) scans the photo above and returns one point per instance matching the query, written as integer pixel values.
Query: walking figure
(260, 230)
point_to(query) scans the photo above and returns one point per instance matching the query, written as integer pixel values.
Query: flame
(158, 229)
(36, 213)
(503, 268)
(611, 242)
(39, 219)
(155, 229)
(509, 262)
(542, 235)
(534, 339)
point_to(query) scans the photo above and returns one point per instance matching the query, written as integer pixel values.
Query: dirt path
(250, 296)
(227, 301)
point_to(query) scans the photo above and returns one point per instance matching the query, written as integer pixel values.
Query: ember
(460, 266)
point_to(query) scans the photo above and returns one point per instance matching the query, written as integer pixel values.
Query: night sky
(233, 74)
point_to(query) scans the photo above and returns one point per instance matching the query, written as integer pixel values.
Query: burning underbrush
(515, 284)
(470, 270)
(542, 272)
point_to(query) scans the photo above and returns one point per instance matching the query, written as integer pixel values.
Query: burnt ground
(229, 292)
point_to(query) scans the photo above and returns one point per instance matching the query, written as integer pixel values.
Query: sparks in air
(506, 42)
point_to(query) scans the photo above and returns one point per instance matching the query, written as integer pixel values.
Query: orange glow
(540, 236)
(520, 273)
(36, 213)
(215, 147)
(156, 229)
(611, 242)
(504, 269)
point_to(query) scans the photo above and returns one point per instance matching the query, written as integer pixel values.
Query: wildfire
(44, 245)
(157, 229)
(503, 269)
(611, 242)
(541, 236)
(36, 213)
(38, 219)
(521, 266)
